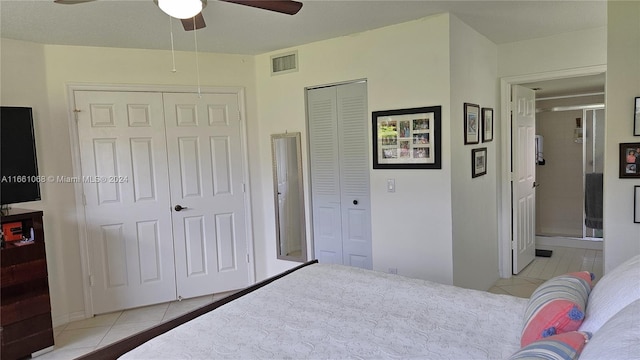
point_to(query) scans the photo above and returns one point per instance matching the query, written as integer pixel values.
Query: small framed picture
(471, 123)
(407, 138)
(629, 160)
(487, 124)
(636, 204)
(478, 162)
(636, 117)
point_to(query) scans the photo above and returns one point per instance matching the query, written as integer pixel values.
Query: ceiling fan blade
(71, 2)
(188, 24)
(288, 7)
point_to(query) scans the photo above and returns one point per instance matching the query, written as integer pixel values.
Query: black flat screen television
(18, 163)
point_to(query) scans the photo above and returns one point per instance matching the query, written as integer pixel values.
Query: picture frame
(636, 204)
(636, 117)
(407, 138)
(629, 160)
(478, 162)
(471, 123)
(487, 125)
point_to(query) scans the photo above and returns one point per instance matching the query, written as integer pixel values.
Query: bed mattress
(338, 312)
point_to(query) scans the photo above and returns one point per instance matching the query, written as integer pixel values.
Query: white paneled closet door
(125, 184)
(205, 166)
(339, 155)
(149, 153)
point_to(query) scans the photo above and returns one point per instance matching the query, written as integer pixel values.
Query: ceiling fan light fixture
(181, 9)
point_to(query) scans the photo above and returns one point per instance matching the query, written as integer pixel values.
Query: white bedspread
(338, 312)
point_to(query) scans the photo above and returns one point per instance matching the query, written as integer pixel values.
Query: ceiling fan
(194, 22)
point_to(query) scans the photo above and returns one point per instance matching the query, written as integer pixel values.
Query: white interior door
(125, 183)
(523, 176)
(206, 174)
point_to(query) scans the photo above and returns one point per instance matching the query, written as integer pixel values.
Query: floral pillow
(557, 306)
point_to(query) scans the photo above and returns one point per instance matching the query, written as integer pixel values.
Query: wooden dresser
(25, 312)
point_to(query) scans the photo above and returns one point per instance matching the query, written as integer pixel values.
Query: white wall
(22, 70)
(622, 236)
(474, 68)
(48, 69)
(558, 52)
(406, 65)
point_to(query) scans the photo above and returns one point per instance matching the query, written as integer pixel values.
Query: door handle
(535, 184)
(179, 208)
(355, 202)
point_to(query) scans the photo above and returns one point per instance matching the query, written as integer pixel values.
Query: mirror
(289, 197)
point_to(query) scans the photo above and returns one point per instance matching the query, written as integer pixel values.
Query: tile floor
(563, 260)
(80, 337)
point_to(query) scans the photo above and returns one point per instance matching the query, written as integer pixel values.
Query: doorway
(569, 157)
(506, 227)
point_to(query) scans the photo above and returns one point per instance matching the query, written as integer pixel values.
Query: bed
(337, 312)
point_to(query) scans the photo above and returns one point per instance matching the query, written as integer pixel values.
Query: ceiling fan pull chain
(173, 53)
(195, 38)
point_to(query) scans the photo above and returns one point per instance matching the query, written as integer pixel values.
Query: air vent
(284, 63)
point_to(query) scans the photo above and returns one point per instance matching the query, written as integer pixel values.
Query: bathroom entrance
(569, 167)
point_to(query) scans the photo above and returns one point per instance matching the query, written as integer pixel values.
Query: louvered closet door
(354, 174)
(325, 174)
(340, 174)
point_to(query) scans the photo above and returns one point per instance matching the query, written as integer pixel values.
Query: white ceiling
(237, 29)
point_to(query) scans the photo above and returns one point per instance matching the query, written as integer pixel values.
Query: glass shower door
(593, 147)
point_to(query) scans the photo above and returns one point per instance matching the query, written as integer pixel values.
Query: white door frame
(77, 168)
(504, 205)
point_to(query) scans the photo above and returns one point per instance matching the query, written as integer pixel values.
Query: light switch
(391, 185)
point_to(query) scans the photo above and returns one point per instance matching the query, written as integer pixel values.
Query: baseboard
(43, 351)
(542, 241)
(67, 318)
